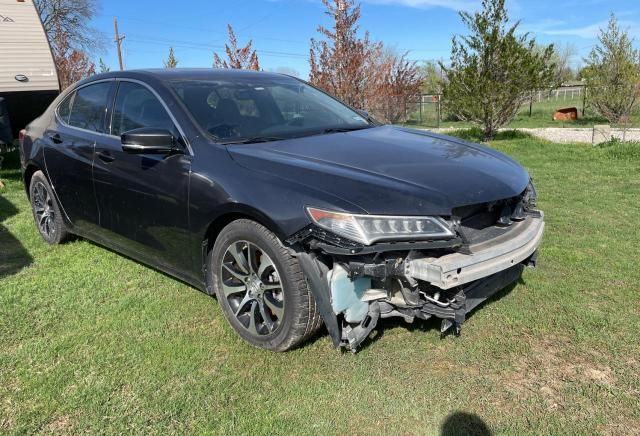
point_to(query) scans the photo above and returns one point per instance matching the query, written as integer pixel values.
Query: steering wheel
(224, 130)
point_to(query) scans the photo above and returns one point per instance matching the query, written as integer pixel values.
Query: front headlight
(368, 229)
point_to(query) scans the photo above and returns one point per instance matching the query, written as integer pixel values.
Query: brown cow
(566, 114)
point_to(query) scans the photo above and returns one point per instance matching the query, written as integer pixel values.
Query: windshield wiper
(345, 129)
(254, 140)
(257, 139)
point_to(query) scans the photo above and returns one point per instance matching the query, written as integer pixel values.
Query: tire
(280, 315)
(46, 211)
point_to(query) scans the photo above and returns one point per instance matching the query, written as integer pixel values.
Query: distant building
(28, 77)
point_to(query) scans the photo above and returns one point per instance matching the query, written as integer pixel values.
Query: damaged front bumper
(354, 289)
(486, 258)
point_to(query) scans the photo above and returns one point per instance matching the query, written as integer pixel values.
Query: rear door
(143, 198)
(69, 149)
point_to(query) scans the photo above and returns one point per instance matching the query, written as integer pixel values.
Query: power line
(205, 46)
(255, 37)
(209, 31)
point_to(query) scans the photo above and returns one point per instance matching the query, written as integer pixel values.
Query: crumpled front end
(356, 285)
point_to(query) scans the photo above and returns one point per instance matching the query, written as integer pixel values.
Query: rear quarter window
(64, 108)
(89, 107)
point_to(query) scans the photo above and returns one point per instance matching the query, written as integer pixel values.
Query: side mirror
(148, 140)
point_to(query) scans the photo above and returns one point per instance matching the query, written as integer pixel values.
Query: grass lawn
(540, 117)
(92, 341)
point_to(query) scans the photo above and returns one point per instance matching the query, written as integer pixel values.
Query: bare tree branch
(239, 58)
(360, 72)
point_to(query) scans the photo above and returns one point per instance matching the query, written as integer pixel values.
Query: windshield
(270, 108)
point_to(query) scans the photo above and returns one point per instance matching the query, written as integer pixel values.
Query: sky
(281, 29)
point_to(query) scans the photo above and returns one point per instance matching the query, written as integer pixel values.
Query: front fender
(316, 274)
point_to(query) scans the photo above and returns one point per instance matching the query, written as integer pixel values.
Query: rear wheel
(46, 211)
(261, 288)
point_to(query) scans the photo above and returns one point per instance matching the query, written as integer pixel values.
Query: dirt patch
(61, 424)
(7, 424)
(603, 375)
(621, 427)
(551, 367)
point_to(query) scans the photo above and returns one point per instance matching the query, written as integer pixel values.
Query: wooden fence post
(531, 105)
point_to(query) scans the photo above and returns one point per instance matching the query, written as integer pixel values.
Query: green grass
(541, 116)
(93, 342)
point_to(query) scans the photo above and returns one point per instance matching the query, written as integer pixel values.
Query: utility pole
(118, 43)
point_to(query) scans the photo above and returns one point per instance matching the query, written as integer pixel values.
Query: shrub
(619, 149)
(475, 134)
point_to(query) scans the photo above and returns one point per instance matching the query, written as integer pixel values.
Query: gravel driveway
(571, 135)
(595, 135)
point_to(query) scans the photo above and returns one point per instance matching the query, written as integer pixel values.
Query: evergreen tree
(104, 68)
(613, 75)
(171, 61)
(493, 69)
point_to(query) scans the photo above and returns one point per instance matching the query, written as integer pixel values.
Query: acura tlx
(293, 209)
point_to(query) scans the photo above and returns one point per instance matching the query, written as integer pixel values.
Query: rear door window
(137, 107)
(90, 106)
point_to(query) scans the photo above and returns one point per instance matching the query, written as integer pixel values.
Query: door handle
(105, 156)
(56, 138)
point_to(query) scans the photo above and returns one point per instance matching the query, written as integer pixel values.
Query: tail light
(21, 135)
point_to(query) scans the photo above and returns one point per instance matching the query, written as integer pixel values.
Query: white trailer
(28, 77)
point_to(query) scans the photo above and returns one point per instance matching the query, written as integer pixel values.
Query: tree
(358, 71)
(613, 74)
(492, 69)
(397, 82)
(583, 72)
(432, 78)
(69, 19)
(66, 25)
(171, 61)
(72, 64)
(560, 61)
(104, 68)
(240, 58)
(343, 64)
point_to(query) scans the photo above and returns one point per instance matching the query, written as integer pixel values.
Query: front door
(143, 198)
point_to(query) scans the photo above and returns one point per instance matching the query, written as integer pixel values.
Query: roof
(164, 74)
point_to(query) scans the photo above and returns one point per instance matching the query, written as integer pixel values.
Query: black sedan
(292, 208)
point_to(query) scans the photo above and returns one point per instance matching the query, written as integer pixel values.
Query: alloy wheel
(252, 286)
(43, 210)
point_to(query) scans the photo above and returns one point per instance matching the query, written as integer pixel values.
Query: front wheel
(261, 288)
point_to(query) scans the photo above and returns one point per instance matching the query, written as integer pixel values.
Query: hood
(390, 170)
